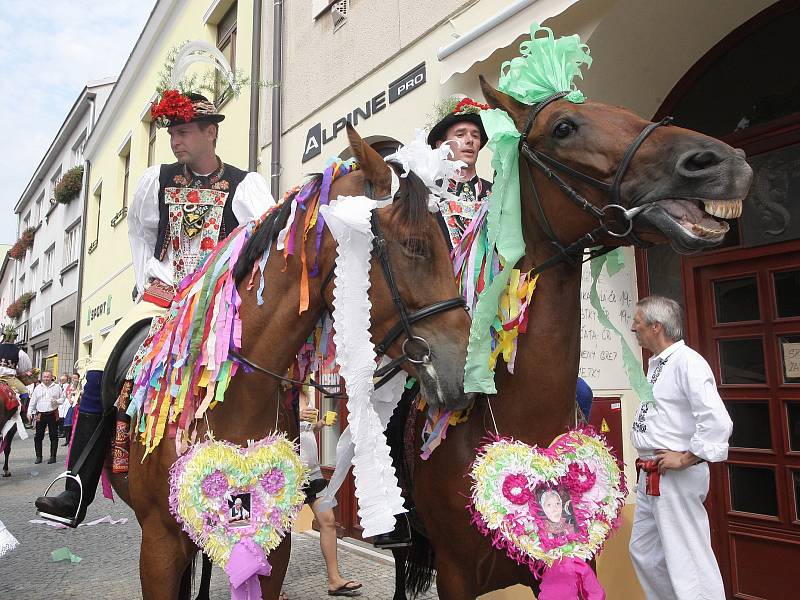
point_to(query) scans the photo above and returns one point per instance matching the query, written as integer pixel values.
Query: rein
(415, 349)
(606, 215)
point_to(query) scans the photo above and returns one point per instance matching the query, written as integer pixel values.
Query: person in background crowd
(676, 437)
(309, 424)
(168, 242)
(46, 400)
(73, 395)
(63, 381)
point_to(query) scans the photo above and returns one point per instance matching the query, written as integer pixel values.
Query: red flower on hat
(173, 106)
(467, 103)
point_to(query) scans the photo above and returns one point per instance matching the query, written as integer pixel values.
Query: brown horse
(272, 334)
(674, 171)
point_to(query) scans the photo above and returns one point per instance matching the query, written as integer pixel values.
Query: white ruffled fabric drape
(377, 490)
(7, 541)
(432, 165)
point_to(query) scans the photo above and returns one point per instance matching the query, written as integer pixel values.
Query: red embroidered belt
(159, 293)
(650, 467)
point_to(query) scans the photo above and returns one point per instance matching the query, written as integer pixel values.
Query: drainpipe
(277, 45)
(87, 167)
(255, 87)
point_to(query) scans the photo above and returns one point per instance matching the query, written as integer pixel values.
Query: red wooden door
(745, 319)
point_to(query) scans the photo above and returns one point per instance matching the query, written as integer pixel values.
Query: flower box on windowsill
(92, 246)
(70, 266)
(119, 216)
(46, 284)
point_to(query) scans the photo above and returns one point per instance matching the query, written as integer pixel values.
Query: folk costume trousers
(671, 540)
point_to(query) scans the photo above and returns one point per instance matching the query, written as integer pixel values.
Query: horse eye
(563, 129)
(416, 248)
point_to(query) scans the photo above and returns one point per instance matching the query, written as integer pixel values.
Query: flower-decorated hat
(175, 108)
(453, 110)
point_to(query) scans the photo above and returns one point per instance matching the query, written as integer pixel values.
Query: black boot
(399, 537)
(64, 507)
(37, 444)
(53, 452)
(67, 435)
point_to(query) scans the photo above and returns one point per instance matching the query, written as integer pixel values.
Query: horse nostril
(694, 162)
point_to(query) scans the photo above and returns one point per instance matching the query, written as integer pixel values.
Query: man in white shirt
(47, 398)
(685, 428)
(178, 214)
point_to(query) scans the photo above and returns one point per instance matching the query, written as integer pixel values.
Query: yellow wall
(113, 250)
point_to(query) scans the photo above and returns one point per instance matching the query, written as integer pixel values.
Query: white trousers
(671, 540)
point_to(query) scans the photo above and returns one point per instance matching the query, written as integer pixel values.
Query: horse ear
(370, 163)
(497, 99)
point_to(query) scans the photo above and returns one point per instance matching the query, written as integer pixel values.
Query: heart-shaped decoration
(223, 494)
(545, 504)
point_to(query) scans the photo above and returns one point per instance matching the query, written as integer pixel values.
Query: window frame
(226, 36)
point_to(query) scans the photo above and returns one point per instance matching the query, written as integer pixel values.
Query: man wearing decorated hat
(458, 122)
(178, 214)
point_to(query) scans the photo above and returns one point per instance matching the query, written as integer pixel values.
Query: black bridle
(606, 215)
(415, 349)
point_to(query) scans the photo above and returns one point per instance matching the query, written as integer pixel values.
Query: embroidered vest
(457, 214)
(184, 212)
(9, 355)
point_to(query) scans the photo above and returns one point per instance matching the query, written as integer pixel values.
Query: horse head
(666, 183)
(419, 262)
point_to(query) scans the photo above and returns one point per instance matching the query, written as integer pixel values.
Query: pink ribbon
(246, 563)
(570, 578)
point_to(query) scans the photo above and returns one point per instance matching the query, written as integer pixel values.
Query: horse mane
(410, 218)
(268, 230)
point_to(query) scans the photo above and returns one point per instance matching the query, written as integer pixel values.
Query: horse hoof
(6, 473)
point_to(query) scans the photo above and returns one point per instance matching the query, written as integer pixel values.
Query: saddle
(117, 389)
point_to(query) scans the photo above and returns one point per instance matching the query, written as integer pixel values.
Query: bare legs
(327, 543)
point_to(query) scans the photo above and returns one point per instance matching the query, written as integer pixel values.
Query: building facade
(51, 208)
(383, 66)
(6, 286)
(126, 142)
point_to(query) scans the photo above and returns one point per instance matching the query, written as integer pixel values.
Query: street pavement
(109, 554)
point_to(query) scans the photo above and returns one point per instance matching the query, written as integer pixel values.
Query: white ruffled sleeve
(143, 223)
(252, 198)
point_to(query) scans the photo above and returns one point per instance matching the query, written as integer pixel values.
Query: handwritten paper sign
(791, 359)
(601, 363)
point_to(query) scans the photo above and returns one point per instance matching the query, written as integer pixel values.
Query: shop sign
(104, 308)
(318, 136)
(41, 322)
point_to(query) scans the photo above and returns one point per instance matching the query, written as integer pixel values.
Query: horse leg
(279, 559)
(7, 449)
(205, 579)
(399, 555)
(164, 557)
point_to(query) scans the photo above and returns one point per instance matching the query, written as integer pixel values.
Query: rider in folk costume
(178, 214)
(14, 364)
(458, 122)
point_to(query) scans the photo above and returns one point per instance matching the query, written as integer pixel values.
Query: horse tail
(419, 569)
(185, 590)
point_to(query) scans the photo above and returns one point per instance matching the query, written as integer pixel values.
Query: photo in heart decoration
(224, 495)
(544, 505)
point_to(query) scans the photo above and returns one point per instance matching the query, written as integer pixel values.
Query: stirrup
(403, 539)
(73, 522)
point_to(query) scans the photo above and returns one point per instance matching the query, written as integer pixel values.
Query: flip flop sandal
(346, 591)
(6, 473)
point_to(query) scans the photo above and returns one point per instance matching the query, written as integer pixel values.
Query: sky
(49, 50)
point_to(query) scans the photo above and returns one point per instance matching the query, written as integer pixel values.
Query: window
(53, 181)
(26, 222)
(22, 285)
(33, 280)
(126, 174)
(98, 197)
(77, 150)
(37, 209)
(226, 42)
(47, 264)
(151, 144)
(72, 245)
